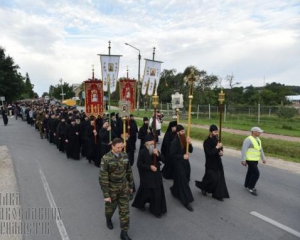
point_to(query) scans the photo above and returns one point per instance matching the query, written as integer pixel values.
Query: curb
(9, 196)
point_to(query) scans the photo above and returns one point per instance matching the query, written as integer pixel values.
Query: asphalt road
(48, 180)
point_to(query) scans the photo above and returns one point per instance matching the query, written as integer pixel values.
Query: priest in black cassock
(151, 188)
(168, 169)
(143, 131)
(214, 178)
(182, 168)
(72, 140)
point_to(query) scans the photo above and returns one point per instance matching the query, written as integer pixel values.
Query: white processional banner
(110, 71)
(151, 76)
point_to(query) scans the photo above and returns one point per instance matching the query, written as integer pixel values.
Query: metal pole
(208, 111)
(62, 90)
(108, 89)
(198, 111)
(139, 86)
(225, 111)
(139, 80)
(258, 113)
(220, 123)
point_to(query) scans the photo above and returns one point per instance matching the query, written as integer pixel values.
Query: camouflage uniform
(116, 180)
(39, 122)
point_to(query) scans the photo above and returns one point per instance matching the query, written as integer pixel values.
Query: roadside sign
(2, 98)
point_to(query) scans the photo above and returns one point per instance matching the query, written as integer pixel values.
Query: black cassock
(4, 116)
(214, 178)
(104, 140)
(151, 188)
(61, 134)
(168, 169)
(92, 146)
(73, 144)
(84, 136)
(182, 173)
(142, 134)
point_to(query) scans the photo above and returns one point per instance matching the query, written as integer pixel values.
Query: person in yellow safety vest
(252, 152)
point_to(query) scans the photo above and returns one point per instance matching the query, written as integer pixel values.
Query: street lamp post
(138, 84)
(62, 90)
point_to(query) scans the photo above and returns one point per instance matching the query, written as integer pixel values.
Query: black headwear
(145, 119)
(213, 128)
(173, 124)
(149, 137)
(179, 128)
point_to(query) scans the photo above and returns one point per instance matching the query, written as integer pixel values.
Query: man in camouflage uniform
(116, 182)
(39, 122)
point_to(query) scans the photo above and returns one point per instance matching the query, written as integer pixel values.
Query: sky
(257, 41)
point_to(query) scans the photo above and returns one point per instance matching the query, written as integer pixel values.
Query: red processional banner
(128, 91)
(94, 103)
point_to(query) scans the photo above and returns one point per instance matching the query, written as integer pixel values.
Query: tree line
(14, 86)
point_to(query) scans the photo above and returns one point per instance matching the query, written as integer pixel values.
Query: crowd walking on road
(102, 141)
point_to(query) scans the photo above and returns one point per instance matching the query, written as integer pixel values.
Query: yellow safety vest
(254, 154)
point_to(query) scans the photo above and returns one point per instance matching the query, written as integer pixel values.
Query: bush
(286, 112)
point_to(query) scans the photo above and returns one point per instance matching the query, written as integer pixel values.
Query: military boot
(124, 236)
(109, 224)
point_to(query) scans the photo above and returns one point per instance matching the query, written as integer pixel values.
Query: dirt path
(264, 135)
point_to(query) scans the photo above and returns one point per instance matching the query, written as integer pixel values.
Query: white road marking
(276, 224)
(59, 222)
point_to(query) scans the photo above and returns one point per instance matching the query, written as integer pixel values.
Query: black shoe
(124, 236)
(253, 191)
(158, 215)
(189, 207)
(109, 224)
(204, 193)
(219, 199)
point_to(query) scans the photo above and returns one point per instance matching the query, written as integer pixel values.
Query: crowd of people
(104, 142)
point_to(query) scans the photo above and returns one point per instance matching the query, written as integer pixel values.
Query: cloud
(250, 39)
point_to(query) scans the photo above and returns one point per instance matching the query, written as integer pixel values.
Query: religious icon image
(177, 101)
(124, 108)
(110, 67)
(128, 94)
(152, 71)
(94, 96)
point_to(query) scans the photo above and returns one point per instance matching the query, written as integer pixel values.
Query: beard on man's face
(182, 139)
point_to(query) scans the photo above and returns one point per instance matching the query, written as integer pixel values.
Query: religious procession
(114, 142)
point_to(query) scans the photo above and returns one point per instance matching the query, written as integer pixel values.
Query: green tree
(45, 94)
(57, 90)
(203, 93)
(11, 81)
(28, 88)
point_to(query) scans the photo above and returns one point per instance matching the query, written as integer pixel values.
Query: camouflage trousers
(119, 194)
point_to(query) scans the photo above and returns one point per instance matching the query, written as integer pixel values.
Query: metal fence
(257, 113)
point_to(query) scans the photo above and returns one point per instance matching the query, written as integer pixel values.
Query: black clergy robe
(182, 172)
(151, 189)
(214, 178)
(168, 169)
(73, 144)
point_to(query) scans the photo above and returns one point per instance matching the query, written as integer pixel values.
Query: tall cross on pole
(190, 79)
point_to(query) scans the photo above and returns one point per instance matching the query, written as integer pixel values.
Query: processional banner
(128, 91)
(110, 71)
(94, 103)
(151, 76)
